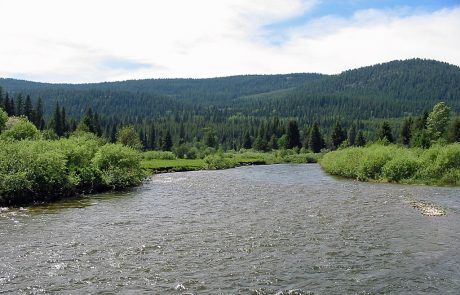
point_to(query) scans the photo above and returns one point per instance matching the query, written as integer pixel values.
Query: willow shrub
(119, 166)
(40, 170)
(437, 165)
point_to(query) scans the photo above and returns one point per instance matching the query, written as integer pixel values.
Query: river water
(277, 229)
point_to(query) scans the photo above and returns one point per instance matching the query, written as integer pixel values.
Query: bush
(436, 165)
(218, 161)
(158, 155)
(400, 168)
(20, 129)
(119, 165)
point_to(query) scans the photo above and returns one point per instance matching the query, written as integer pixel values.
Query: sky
(82, 41)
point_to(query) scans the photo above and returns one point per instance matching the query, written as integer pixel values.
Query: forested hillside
(230, 111)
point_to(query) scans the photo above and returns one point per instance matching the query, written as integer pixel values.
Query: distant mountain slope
(384, 90)
(196, 92)
(390, 89)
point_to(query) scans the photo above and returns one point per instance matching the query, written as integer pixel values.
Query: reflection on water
(279, 229)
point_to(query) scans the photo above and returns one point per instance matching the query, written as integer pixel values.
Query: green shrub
(119, 165)
(343, 162)
(371, 164)
(399, 168)
(158, 155)
(3, 119)
(20, 129)
(218, 161)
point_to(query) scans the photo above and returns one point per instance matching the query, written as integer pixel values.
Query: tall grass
(439, 165)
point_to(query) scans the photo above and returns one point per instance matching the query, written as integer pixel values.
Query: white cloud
(71, 41)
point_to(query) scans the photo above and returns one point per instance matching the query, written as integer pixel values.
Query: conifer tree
(316, 139)
(338, 136)
(19, 105)
(352, 135)
(385, 133)
(293, 135)
(360, 139)
(167, 142)
(247, 144)
(57, 121)
(28, 109)
(406, 131)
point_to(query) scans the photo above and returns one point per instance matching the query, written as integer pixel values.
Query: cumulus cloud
(87, 41)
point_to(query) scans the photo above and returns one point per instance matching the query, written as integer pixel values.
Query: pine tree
(113, 133)
(7, 105)
(28, 110)
(385, 133)
(406, 131)
(167, 142)
(352, 135)
(38, 120)
(57, 121)
(453, 133)
(152, 138)
(293, 135)
(360, 139)
(247, 144)
(338, 136)
(316, 139)
(87, 122)
(19, 105)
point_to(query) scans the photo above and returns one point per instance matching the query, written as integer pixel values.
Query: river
(276, 229)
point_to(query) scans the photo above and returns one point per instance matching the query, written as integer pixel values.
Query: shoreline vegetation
(437, 165)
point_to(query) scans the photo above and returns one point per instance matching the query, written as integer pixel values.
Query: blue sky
(107, 40)
(347, 8)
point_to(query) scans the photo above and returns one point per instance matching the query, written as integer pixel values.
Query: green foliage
(20, 129)
(438, 120)
(316, 139)
(42, 170)
(436, 165)
(385, 133)
(3, 119)
(293, 135)
(338, 136)
(400, 167)
(158, 155)
(119, 165)
(127, 136)
(219, 161)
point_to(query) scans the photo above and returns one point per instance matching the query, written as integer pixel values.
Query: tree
(127, 136)
(438, 120)
(87, 122)
(209, 138)
(57, 121)
(385, 133)
(19, 105)
(3, 119)
(247, 144)
(167, 142)
(28, 110)
(406, 131)
(38, 120)
(316, 139)
(21, 129)
(338, 135)
(293, 135)
(352, 135)
(360, 139)
(453, 132)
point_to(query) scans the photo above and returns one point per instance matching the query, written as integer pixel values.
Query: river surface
(277, 229)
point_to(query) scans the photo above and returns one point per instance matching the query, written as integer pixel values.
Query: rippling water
(278, 229)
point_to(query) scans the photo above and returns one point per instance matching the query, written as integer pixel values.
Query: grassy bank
(158, 162)
(438, 165)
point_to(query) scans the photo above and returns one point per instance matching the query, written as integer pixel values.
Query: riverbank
(438, 165)
(163, 162)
